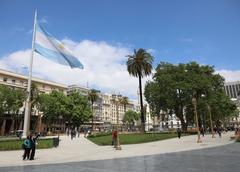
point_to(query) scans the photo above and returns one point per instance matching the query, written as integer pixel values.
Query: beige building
(20, 81)
(105, 111)
(109, 109)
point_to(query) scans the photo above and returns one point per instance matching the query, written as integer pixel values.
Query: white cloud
(104, 67)
(230, 75)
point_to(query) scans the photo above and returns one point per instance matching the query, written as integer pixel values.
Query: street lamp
(117, 100)
(194, 102)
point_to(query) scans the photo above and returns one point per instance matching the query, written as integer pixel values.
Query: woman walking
(27, 147)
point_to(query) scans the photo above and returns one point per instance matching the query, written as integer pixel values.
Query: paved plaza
(218, 154)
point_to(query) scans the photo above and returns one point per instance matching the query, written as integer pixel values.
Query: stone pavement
(81, 149)
(216, 159)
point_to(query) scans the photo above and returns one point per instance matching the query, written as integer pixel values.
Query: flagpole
(27, 114)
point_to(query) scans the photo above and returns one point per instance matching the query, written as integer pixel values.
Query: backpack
(25, 144)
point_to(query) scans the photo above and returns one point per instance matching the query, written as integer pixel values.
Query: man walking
(179, 132)
(33, 146)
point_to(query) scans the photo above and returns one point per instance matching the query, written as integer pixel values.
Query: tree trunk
(92, 119)
(12, 125)
(183, 124)
(3, 127)
(20, 127)
(141, 103)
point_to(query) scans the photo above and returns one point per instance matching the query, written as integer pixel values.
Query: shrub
(14, 144)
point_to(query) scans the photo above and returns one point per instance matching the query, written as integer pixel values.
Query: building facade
(232, 89)
(14, 80)
(104, 109)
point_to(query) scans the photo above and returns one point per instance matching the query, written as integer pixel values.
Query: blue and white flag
(51, 48)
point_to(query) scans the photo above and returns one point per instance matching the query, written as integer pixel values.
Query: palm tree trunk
(141, 104)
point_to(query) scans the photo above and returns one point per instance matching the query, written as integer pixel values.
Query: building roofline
(232, 83)
(35, 79)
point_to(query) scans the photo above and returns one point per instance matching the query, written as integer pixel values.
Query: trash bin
(56, 141)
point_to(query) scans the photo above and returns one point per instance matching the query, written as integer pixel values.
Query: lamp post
(194, 102)
(117, 100)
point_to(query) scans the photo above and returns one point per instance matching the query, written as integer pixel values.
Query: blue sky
(178, 31)
(207, 31)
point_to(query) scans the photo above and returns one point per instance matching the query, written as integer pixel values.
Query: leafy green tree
(222, 108)
(73, 108)
(92, 97)
(19, 96)
(124, 101)
(130, 117)
(81, 111)
(53, 106)
(11, 100)
(173, 86)
(139, 65)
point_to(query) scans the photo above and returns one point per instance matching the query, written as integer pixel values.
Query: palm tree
(124, 101)
(92, 97)
(139, 65)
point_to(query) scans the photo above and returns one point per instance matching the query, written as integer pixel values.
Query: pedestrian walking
(202, 131)
(179, 132)
(219, 131)
(114, 138)
(27, 147)
(33, 146)
(72, 134)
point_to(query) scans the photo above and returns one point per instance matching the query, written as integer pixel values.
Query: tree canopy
(11, 100)
(173, 87)
(74, 108)
(130, 117)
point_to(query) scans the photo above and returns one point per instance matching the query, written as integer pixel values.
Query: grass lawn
(16, 144)
(132, 138)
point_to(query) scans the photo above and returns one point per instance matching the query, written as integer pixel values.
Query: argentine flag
(51, 48)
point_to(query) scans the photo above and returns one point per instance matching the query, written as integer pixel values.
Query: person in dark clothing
(202, 131)
(73, 134)
(26, 147)
(219, 131)
(179, 132)
(33, 146)
(114, 138)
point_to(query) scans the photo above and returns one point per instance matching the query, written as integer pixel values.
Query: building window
(5, 79)
(21, 82)
(13, 81)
